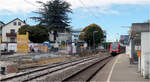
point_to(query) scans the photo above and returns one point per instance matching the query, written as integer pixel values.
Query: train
(116, 48)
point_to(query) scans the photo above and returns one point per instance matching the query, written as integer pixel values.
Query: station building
(139, 47)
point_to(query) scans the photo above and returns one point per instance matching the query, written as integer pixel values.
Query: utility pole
(0, 46)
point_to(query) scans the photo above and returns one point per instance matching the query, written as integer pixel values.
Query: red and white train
(116, 48)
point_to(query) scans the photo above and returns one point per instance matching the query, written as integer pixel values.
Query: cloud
(102, 3)
(16, 6)
(27, 6)
(102, 10)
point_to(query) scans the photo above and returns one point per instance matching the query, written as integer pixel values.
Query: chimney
(24, 21)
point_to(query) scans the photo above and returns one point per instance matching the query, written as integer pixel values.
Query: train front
(114, 48)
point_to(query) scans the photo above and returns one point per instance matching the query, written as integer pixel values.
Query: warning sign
(138, 53)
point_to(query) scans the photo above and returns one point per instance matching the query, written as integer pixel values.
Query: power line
(87, 8)
(30, 3)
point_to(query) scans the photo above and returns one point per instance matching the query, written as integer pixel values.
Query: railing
(11, 34)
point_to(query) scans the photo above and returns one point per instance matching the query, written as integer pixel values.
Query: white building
(1, 24)
(145, 54)
(63, 37)
(75, 35)
(140, 42)
(10, 30)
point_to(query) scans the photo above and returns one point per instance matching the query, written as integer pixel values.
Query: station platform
(119, 69)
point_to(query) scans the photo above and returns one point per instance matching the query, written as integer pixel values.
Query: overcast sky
(109, 14)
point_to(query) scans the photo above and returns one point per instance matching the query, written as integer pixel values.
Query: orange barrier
(138, 53)
(42, 48)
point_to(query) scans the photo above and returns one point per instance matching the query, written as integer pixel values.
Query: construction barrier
(23, 43)
(42, 48)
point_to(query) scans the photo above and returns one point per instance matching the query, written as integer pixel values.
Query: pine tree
(54, 15)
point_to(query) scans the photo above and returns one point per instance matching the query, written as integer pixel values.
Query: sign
(47, 44)
(23, 43)
(137, 48)
(138, 53)
(85, 45)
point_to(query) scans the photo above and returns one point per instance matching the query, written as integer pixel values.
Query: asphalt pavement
(119, 70)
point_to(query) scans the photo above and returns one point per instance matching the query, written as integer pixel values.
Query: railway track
(88, 72)
(28, 76)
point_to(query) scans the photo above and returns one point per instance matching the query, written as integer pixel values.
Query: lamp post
(117, 35)
(94, 38)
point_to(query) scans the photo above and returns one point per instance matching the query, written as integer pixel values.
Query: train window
(114, 46)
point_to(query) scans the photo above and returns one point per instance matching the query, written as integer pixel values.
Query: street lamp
(94, 38)
(117, 35)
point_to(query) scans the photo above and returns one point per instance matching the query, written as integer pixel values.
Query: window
(19, 23)
(115, 46)
(12, 31)
(75, 35)
(15, 23)
(12, 40)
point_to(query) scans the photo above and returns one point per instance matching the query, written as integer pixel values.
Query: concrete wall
(11, 46)
(145, 54)
(128, 50)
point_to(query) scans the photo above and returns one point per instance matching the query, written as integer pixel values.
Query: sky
(110, 15)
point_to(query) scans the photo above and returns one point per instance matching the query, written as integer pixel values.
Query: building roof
(140, 27)
(13, 20)
(2, 22)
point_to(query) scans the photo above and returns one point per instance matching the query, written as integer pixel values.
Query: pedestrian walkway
(119, 69)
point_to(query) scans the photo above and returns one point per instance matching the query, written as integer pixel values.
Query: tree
(92, 34)
(106, 45)
(24, 29)
(121, 41)
(37, 34)
(54, 15)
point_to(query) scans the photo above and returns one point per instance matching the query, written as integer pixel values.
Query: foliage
(106, 45)
(121, 41)
(54, 14)
(37, 34)
(24, 29)
(92, 34)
